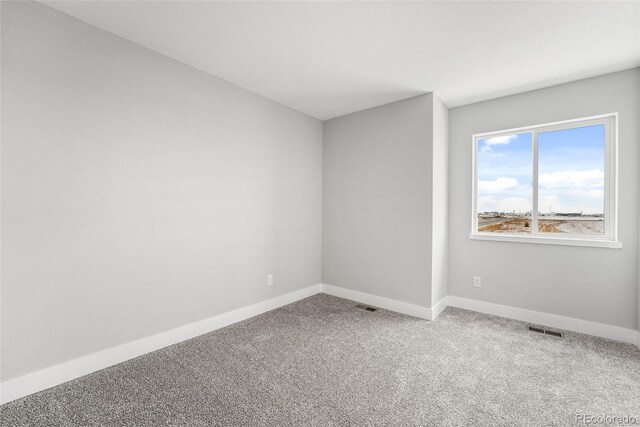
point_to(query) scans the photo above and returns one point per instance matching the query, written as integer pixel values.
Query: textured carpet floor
(323, 362)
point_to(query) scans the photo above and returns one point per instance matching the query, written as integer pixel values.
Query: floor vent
(366, 307)
(544, 331)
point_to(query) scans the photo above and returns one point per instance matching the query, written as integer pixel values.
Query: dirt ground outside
(523, 226)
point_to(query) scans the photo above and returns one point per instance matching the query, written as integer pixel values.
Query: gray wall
(377, 201)
(440, 217)
(595, 284)
(139, 194)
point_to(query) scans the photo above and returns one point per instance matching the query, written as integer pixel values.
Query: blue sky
(571, 171)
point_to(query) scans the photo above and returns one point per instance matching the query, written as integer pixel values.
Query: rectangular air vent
(365, 307)
(544, 331)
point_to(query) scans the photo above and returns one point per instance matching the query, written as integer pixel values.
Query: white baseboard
(382, 302)
(638, 340)
(49, 377)
(439, 307)
(567, 323)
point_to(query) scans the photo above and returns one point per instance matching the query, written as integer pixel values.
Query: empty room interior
(327, 213)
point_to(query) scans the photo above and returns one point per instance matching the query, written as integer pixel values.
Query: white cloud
(577, 203)
(572, 191)
(496, 140)
(517, 204)
(499, 140)
(573, 180)
(562, 191)
(487, 204)
(596, 194)
(501, 184)
(510, 204)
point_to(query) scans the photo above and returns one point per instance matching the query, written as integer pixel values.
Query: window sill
(565, 241)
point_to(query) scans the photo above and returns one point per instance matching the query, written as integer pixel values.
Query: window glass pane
(571, 180)
(504, 194)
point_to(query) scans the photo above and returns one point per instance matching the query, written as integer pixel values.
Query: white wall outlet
(477, 283)
(270, 280)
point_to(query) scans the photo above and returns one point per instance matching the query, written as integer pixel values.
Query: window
(553, 183)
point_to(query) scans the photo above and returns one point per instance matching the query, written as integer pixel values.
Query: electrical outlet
(477, 283)
(270, 280)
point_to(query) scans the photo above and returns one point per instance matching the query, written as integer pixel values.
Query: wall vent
(544, 331)
(365, 307)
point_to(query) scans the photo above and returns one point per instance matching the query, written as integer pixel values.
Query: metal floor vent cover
(544, 331)
(366, 307)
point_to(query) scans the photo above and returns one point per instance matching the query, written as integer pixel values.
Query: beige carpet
(324, 362)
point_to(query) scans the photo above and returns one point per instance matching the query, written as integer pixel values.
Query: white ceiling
(332, 58)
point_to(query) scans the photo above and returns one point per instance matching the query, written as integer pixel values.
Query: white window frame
(610, 237)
